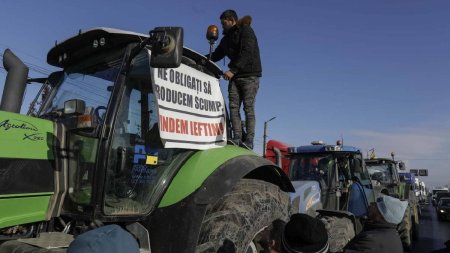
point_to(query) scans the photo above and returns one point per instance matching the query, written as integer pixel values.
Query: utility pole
(265, 135)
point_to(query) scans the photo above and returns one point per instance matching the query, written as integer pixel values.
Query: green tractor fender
(215, 169)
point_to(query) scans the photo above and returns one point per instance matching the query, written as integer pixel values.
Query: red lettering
(164, 123)
(171, 125)
(196, 129)
(184, 126)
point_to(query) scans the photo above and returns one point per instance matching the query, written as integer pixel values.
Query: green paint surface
(23, 136)
(23, 208)
(196, 170)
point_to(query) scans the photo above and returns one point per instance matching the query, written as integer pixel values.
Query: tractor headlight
(310, 203)
(442, 211)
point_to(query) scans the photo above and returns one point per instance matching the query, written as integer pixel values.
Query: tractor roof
(79, 46)
(322, 148)
(379, 160)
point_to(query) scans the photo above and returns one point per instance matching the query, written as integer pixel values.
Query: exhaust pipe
(15, 82)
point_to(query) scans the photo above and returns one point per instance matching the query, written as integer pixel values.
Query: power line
(21, 51)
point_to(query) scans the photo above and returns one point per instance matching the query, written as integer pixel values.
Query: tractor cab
(338, 170)
(384, 175)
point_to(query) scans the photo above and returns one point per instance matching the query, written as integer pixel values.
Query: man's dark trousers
(242, 90)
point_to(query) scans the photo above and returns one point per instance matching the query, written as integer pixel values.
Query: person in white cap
(380, 231)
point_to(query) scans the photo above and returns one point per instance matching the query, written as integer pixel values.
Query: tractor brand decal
(26, 137)
(142, 170)
(191, 108)
(9, 124)
(144, 155)
(33, 137)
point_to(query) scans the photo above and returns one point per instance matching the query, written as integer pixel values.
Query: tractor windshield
(334, 171)
(381, 172)
(316, 167)
(90, 81)
(320, 167)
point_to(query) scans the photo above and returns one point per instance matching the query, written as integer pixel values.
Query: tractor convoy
(133, 131)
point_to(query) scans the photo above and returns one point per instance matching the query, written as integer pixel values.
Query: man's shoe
(247, 145)
(236, 142)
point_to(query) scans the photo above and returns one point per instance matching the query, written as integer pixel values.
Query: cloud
(419, 148)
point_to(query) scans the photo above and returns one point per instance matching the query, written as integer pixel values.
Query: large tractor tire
(405, 230)
(340, 231)
(236, 219)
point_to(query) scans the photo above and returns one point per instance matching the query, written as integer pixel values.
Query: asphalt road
(433, 233)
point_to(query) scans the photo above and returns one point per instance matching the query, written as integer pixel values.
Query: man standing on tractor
(240, 45)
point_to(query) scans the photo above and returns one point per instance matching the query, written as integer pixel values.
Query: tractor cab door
(138, 167)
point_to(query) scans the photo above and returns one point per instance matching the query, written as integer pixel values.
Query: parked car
(443, 209)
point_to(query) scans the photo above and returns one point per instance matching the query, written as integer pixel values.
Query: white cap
(392, 209)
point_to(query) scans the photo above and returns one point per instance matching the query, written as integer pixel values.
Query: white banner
(191, 108)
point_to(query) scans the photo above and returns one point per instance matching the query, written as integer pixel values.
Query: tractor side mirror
(167, 47)
(401, 166)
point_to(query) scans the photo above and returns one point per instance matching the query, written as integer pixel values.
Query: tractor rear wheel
(239, 216)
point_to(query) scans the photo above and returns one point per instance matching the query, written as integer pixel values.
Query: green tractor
(131, 131)
(384, 173)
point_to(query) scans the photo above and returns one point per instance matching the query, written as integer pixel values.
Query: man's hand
(228, 75)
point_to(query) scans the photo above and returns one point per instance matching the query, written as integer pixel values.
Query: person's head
(270, 239)
(387, 209)
(109, 238)
(304, 233)
(228, 19)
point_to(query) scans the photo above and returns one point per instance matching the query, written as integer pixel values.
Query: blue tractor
(330, 181)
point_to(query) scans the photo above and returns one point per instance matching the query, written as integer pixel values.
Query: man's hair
(277, 232)
(229, 15)
(273, 232)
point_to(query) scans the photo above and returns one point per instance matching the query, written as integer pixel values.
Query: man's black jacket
(240, 45)
(376, 238)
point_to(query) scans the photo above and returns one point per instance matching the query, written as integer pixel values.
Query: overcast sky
(373, 72)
